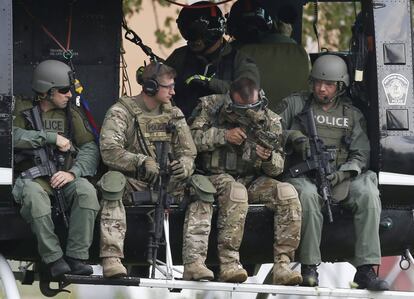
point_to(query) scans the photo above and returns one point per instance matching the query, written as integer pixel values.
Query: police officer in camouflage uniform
(244, 171)
(64, 127)
(129, 133)
(208, 63)
(342, 127)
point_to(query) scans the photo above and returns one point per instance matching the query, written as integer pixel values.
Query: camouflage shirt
(127, 127)
(208, 130)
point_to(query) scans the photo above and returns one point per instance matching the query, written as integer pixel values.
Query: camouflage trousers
(283, 200)
(232, 211)
(113, 223)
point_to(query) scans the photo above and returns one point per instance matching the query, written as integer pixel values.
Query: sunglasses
(169, 86)
(64, 90)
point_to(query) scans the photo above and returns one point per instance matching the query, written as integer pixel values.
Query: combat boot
(78, 267)
(112, 267)
(309, 276)
(283, 274)
(58, 268)
(197, 271)
(366, 278)
(232, 272)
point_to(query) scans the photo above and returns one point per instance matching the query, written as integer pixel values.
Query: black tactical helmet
(51, 74)
(204, 23)
(247, 19)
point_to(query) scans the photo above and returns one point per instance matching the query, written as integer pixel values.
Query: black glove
(178, 170)
(338, 177)
(198, 80)
(152, 170)
(300, 144)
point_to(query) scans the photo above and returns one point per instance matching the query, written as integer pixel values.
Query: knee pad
(112, 185)
(238, 192)
(286, 191)
(290, 205)
(201, 188)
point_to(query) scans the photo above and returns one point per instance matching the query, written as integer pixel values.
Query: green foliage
(334, 24)
(131, 6)
(167, 37)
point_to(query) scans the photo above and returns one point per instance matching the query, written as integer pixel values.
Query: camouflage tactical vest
(148, 128)
(232, 159)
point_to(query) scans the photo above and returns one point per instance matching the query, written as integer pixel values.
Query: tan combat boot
(197, 271)
(283, 274)
(112, 267)
(232, 272)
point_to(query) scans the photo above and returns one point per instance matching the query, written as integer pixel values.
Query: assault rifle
(319, 161)
(162, 200)
(253, 124)
(46, 161)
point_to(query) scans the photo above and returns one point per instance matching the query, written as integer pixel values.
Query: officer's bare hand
(62, 143)
(152, 170)
(178, 170)
(263, 153)
(235, 136)
(60, 179)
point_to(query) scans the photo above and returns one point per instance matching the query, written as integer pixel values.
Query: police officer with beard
(342, 127)
(207, 64)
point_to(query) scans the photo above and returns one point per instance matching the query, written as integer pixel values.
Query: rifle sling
(35, 172)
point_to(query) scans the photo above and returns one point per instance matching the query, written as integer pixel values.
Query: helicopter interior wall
(95, 41)
(393, 42)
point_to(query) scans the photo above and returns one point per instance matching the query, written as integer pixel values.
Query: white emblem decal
(396, 89)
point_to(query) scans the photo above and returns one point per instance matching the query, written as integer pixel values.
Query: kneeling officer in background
(45, 133)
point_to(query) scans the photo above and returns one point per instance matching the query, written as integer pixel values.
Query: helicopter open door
(6, 96)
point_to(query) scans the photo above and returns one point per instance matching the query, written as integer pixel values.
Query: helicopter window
(334, 25)
(397, 119)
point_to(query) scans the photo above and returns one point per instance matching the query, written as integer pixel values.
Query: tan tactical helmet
(330, 68)
(49, 74)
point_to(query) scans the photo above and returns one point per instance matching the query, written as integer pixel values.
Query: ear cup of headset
(150, 87)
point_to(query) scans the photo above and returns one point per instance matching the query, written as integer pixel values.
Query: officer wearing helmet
(283, 64)
(250, 22)
(342, 128)
(207, 64)
(67, 135)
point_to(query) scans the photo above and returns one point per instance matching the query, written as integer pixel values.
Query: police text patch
(54, 125)
(156, 127)
(341, 122)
